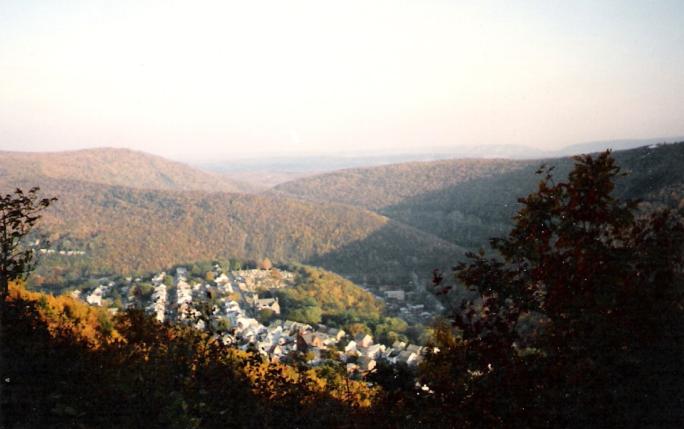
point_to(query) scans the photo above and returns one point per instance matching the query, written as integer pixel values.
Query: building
(363, 340)
(398, 295)
(268, 304)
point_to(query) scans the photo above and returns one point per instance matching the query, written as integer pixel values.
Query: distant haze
(213, 80)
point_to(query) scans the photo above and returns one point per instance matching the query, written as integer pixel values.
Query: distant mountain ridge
(615, 145)
(308, 165)
(117, 167)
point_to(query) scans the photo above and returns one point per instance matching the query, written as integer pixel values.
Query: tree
(234, 265)
(19, 213)
(265, 316)
(601, 286)
(306, 313)
(265, 264)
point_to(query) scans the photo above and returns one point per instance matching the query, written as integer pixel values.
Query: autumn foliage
(579, 322)
(69, 364)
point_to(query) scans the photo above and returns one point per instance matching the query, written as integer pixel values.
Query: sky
(205, 80)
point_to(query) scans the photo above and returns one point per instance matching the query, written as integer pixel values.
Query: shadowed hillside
(390, 255)
(471, 212)
(126, 230)
(468, 201)
(121, 167)
(464, 203)
(379, 187)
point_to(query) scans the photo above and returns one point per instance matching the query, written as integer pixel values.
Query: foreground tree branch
(19, 213)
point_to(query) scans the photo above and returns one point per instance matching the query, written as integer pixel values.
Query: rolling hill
(468, 201)
(383, 225)
(470, 213)
(127, 230)
(118, 167)
(378, 187)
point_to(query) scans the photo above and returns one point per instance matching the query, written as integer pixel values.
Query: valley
(386, 228)
(338, 289)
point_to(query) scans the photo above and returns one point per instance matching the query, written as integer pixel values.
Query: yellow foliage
(63, 312)
(268, 380)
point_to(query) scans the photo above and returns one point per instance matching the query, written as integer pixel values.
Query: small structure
(95, 298)
(363, 340)
(399, 345)
(268, 304)
(336, 333)
(408, 357)
(350, 349)
(372, 351)
(414, 348)
(398, 295)
(366, 364)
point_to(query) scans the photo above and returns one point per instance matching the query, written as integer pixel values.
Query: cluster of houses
(235, 304)
(404, 305)
(95, 296)
(286, 340)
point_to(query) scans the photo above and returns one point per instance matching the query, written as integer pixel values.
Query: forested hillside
(127, 230)
(472, 212)
(379, 187)
(468, 201)
(121, 167)
(463, 202)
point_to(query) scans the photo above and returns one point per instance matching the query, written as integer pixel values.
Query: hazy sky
(221, 78)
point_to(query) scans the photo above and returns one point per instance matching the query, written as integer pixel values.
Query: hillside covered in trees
(378, 187)
(124, 230)
(472, 212)
(425, 215)
(109, 166)
(468, 201)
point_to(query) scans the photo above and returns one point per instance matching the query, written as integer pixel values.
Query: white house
(268, 304)
(95, 298)
(350, 349)
(398, 295)
(363, 340)
(366, 364)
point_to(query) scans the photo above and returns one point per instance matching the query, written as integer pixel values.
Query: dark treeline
(580, 320)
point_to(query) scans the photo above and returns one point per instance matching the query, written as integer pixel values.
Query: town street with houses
(230, 311)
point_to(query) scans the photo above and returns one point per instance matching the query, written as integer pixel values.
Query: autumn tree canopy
(579, 319)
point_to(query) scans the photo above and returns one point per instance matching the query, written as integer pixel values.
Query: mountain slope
(468, 201)
(119, 167)
(470, 213)
(378, 187)
(130, 230)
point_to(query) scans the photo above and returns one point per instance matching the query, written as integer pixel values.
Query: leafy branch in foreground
(19, 212)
